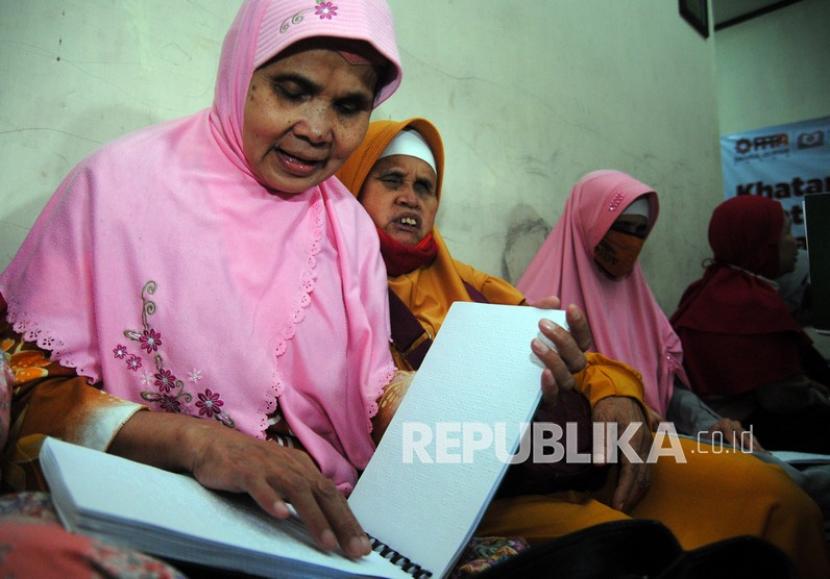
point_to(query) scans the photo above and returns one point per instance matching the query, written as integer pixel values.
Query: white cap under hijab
(640, 206)
(410, 142)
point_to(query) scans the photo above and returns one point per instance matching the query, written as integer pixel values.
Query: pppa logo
(810, 140)
(744, 146)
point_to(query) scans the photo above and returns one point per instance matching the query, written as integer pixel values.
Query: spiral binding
(399, 560)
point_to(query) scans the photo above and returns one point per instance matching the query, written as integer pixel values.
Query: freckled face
(304, 115)
(399, 195)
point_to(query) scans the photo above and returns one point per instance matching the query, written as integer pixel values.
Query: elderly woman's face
(304, 115)
(399, 195)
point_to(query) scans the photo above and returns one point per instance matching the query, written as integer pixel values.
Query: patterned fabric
(288, 21)
(51, 400)
(34, 544)
(482, 553)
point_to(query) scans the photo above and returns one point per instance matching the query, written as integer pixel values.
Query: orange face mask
(617, 252)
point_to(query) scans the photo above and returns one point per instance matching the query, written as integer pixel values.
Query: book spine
(399, 560)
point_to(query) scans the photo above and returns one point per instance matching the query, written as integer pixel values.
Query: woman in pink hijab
(211, 269)
(590, 259)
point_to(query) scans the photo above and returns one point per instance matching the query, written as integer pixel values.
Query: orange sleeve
(495, 289)
(51, 400)
(604, 377)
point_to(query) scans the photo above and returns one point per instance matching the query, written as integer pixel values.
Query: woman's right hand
(224, 459)
(568, 356)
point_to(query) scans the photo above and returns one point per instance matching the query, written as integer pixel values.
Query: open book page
(436, 468)
(173, 516)
(801, 458)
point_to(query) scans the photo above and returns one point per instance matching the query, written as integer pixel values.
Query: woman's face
(787, 248)
(304, 115)
(399, 195)
(618, 250)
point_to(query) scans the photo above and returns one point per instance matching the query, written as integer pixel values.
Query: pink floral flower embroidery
(165, 380)
(150, 340)
(170, 404)
(170, 394)
(133, 363)
(325, 10)
(209, 403)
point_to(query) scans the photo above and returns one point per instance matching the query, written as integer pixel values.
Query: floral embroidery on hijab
(322, 8)
(325, 10)
(170, 393)
(614, 204)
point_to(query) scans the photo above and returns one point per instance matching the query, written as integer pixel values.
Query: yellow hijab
(428, 291)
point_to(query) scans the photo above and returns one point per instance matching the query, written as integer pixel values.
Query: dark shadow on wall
(525, 234)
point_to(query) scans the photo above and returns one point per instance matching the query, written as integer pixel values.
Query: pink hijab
(164, 270)
(626, 321)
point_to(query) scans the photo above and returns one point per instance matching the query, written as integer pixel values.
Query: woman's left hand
(635, 474)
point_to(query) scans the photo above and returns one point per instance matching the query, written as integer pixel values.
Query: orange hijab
(428, 291)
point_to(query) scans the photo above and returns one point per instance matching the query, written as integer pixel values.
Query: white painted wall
(76, 74)
(775, 68)
(529, 96)
(532, 95)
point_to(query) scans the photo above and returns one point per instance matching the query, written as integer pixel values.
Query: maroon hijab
(737, 331)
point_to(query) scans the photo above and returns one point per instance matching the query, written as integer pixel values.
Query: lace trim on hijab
(31, 331)
(375, 391)
(308, 280)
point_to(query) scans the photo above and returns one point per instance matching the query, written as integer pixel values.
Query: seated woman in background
(196, 268)
(745, 353)
(397, 175)
(591, 259)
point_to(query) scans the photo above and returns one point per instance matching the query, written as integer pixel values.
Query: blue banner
(785, 163)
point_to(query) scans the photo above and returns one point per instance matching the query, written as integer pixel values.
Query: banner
(785, 162)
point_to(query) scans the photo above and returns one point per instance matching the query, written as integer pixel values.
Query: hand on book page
(561, 350)
(173, 516)
(224, 459)
(272, 474)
